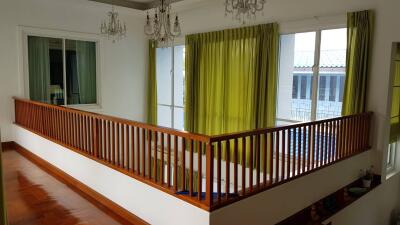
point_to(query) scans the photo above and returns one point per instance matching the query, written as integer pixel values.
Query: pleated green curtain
(231, 79)
(395, 110)
(359, 41)
(86, 71)
(39, 69)
(152, 85)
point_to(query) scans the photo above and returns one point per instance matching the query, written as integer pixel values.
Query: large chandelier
(243, 10)
(112, 26)
(159, 28)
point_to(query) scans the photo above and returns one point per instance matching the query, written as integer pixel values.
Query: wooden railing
(206, 171)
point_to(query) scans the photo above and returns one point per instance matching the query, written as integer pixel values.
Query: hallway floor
(35, 197)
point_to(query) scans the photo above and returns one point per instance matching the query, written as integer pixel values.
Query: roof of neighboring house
(328, 59)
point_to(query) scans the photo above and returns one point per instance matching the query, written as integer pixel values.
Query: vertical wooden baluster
(169, 160)
(143, 152)
(348, 138)
(113, 143)
(108, 141)
(271, 158)
(309, 148)
(133, 149)
(277, 139)
(122, 161)
(235, 166)
(326, 142)
(331, 144)
(219, 149)
(127, 147)
(251, 167)
(299, 146)
(183, 164)
(336, 136)
(243, 166)
(289, 140)
(227, 168)
(176, 163)
(323, 128)
(265, 155)
(304, 149)
(162, 164)
(199, 171)
(283, 154)
(258, 160)
(118, 140)
(149, 139)
(155, 155)
(95, 138)
(318, 146)
(209, 174)
(191, 168)
(138, 150)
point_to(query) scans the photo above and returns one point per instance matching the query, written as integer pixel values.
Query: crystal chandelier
(113, 27)
(159, 28)
(242, 10)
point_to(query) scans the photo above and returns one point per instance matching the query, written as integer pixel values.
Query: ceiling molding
(133, 4)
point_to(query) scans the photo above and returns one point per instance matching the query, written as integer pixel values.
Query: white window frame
(172, 73)
(316, 67)
(25, 32)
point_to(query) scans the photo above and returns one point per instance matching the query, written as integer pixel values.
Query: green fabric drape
(231, 79)
(359, 41)
(39, 69)
(395, 110)
(152, 85)
(86, 71)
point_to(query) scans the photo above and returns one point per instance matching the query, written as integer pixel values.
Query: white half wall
(148, 203)
(122, 78)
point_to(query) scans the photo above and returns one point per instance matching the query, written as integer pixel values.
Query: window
(312, 66)
(170, 86)
(62, 71)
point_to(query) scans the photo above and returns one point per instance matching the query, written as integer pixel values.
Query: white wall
(123, 64)
(297, 16)
(146, 202)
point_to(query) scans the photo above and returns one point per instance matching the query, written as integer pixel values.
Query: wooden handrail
(231, 166)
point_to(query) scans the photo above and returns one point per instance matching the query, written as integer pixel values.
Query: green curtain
(39, 69)
(231, 79)
(152, 85)
(86, 71)
(395, 109)
(359, 41)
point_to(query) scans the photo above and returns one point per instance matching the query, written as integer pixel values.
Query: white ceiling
(134, 4)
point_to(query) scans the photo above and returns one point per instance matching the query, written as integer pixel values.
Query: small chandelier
(159, 28)
(113, 28)
(242, 10)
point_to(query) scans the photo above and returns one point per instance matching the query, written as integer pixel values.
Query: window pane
(295, 87)
(46, 83)
(164, 116)
(179, 74)
(164, 78)
(178, 118)
(296, 60)
(332, 71)
(81, 72)
(332, 88)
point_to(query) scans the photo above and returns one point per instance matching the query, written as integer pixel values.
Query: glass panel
(178, 118)
(45, 59)
(332, 73)
(179, 74)
(81, 72)
(295, 77)
(164, 116)
(164, 78)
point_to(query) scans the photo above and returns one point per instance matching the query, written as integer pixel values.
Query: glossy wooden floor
(35, 197)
